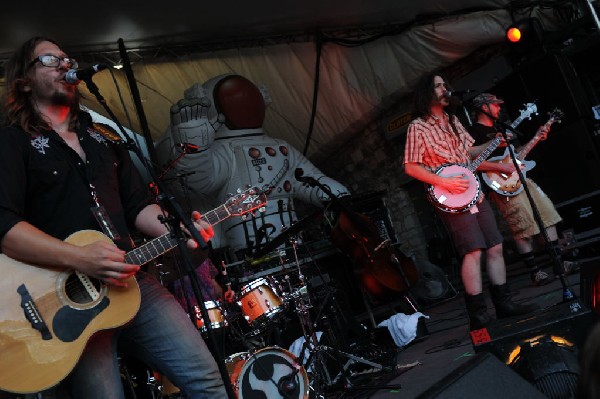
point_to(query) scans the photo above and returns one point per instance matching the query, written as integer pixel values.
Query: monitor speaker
(483, 376)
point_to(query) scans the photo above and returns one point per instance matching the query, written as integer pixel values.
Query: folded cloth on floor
(402, 327)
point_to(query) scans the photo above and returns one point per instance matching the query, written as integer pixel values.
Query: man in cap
(516, 209)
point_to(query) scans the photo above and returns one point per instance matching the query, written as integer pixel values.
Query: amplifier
(581, 214)
(569, 320)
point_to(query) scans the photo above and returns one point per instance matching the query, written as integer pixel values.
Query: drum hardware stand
(316, 351)
(151, 382)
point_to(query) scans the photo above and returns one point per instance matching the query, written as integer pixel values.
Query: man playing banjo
(435, 139)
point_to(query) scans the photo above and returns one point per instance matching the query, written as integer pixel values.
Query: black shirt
(482, 134)
(44, 182)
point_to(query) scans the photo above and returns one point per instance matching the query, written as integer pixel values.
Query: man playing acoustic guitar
(437, 138)
(510, 199)
(63, 175)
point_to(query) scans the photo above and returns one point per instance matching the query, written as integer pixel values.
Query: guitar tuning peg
(229, 195)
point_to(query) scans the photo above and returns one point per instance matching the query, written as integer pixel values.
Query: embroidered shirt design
(40, 143)
(96, 136)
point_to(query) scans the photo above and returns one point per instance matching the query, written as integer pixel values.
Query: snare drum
(217, 320)
(260, 301)
(260, 373)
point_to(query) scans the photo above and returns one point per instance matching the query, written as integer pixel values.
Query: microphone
(298, 173)
(189, 148)
(74, 76)
(458, 93)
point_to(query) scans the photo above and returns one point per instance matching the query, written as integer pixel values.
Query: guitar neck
(485, 154)
(533, 142)
(517, 121)
(162, 244)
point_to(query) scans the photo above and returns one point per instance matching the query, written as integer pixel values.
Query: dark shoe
(570, 267)
(477, 311)
(540, 278)
(505, 307)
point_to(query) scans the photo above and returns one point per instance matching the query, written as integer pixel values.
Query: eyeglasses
(49, 60)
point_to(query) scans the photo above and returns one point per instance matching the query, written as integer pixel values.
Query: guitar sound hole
(78, 292)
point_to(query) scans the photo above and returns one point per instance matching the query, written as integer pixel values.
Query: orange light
(513, 34)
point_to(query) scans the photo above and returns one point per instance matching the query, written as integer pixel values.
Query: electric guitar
(48, 314)
(457, 203)
(510, 185)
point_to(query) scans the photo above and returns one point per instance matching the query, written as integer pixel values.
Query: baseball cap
(486, 98)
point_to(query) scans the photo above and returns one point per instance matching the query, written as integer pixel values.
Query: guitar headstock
(246, 201)
(556, 116)
(530, 109)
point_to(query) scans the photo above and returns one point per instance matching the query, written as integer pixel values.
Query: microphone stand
(176, 219)
(503, 127)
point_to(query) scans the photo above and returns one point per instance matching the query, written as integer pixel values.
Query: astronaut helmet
(238, 104)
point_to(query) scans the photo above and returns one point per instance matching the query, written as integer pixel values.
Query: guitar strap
(98, 210)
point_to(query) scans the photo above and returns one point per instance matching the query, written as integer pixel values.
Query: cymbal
(289, 232)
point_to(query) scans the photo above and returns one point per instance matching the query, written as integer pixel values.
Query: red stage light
(513, 34)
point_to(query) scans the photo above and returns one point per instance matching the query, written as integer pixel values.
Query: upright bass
(382, 270)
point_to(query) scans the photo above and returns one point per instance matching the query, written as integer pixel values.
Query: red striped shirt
(429, 144)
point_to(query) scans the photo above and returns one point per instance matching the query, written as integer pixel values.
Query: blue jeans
(162, 336)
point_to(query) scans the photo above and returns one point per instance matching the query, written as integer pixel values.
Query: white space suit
(219, 126)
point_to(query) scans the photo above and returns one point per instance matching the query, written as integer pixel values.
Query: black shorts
(470, 231)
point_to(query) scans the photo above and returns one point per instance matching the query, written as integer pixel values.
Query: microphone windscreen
(298, 173)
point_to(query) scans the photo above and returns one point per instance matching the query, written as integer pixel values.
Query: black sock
(529, 260)
(555, 247)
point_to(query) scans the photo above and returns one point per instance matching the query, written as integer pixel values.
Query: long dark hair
(424, 94)
(17, 106)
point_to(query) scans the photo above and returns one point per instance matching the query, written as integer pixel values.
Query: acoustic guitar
(48, 314)
(510, 185)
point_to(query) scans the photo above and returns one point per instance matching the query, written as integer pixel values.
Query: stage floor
(448, 344)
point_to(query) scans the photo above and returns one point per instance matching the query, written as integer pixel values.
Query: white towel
(403, 328)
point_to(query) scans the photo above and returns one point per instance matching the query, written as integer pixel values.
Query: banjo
(457, 203)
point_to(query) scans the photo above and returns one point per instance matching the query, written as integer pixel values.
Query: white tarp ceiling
(356, 82)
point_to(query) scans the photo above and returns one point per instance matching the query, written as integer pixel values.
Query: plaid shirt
(430, 145)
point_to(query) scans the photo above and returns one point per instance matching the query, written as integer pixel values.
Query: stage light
(541, 347)
(527, 30)
(590, 285)
(550, 363)
(513, 34)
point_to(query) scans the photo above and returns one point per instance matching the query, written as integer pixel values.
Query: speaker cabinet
(483, 376)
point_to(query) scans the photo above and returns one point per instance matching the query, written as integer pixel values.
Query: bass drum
(261, 374)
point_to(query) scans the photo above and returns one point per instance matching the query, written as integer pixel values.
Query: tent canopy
(370, 55)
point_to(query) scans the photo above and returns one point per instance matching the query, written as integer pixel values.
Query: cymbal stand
(318, 353)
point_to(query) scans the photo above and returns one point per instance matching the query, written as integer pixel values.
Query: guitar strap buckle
(102, 217)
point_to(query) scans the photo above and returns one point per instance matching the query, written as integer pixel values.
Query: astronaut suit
(217, 138)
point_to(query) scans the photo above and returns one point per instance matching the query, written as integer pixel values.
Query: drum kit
(260, 369)
(264, 369)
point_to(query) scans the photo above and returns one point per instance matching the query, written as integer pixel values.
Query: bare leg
(471, 272)
(496, 268)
